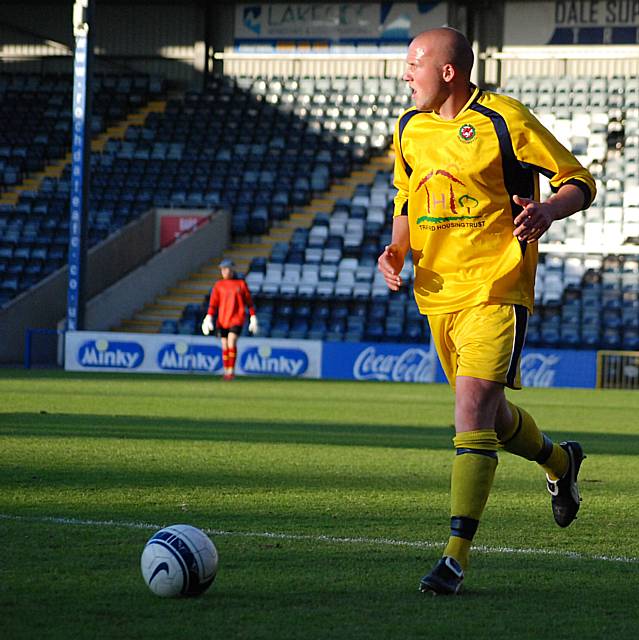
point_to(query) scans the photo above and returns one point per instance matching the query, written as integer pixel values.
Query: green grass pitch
(327, 502)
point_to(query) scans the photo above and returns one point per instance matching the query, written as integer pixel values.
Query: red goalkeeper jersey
(229, 300)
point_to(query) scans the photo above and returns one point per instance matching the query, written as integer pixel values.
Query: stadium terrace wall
(42, 306)
(123, 273)
(174, 262)
(416, 363)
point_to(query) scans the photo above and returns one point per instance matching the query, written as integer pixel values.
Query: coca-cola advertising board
(379, 361)
(559, 368)
(419, 363)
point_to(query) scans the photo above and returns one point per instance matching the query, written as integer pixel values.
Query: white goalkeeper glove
(253, 328)
(207, 325)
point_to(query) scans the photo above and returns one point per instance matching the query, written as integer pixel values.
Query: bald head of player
(438, 66)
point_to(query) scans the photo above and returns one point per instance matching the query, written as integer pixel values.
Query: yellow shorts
(483, 342)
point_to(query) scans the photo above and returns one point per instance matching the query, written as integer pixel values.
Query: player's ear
(448, 72)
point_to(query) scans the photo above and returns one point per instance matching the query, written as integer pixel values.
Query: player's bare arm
(391, 261)
(536, 217)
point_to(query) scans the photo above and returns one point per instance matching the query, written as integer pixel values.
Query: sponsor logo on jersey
(447, 201)
(106, 354)
(411, 365)
(267, 360)
(182, 356)
(539, 370)
(467, 133)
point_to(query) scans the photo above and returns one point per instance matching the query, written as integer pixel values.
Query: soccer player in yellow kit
(468, 207)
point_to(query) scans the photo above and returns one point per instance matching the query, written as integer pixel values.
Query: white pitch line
(414, 544)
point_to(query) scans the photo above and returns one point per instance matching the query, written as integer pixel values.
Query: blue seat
(303, 309)
(570, 335)
(611, 339)
(280, 328)
(550, 336)
(374, 331)
(318, 329)
(394, 330)
(186, 326)
(414, 331)
(631, 339)
(299, 329)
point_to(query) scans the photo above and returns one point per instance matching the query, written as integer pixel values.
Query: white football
(179, 560)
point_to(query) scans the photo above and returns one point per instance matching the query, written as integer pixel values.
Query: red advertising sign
(172, 227)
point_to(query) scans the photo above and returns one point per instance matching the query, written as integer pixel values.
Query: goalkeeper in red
(229, 299)
(467, 165)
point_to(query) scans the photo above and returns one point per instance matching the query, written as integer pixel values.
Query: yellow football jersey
(455, 181)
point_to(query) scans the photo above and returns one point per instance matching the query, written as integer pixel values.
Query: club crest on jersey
(467, 133)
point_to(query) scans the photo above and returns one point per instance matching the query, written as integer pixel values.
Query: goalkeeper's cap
(227, 263)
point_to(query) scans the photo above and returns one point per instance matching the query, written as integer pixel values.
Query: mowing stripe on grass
(415, 544)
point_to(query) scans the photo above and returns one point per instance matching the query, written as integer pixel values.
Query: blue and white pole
(80, 164)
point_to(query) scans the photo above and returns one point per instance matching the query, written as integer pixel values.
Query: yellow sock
(471, 480)
(525, 439)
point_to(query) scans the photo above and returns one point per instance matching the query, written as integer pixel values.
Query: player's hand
(253, 326)
(533, 221)
(389, 264)
(207, 325)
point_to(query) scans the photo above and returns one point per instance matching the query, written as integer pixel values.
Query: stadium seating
(338, 271)
(35, 122)
(35, 130)
(261, 147)
(256, 147)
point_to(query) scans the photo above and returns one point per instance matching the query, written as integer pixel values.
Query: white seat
(376, 214)
(380, 290)
(631, 197)
(317, 235)
(353, 239)
(593, 233)
(288, 289)
(270, 288)
(348, 264)
(337, 227)
(310, 272)
(254, 279)
(362, 290)
(630, 229)
(325, 288)
(307, 289)
(313, 254)
(331, 256)
(291, 277)
(346, 277)
(274, 270)
(328, 272)
(613, 214)
(344, 290)
(364, 273)
(631, 213)
(361, 200)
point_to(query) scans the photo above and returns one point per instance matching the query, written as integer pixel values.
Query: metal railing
(618, 369)
(311, 64)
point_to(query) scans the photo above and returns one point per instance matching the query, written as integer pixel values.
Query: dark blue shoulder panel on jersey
(517, 177)
(403, 121)
(585, 189)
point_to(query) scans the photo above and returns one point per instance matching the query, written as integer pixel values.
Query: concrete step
(192, 292)
(141, 326)
(179, 298)
(280, 234)
(160, 311)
